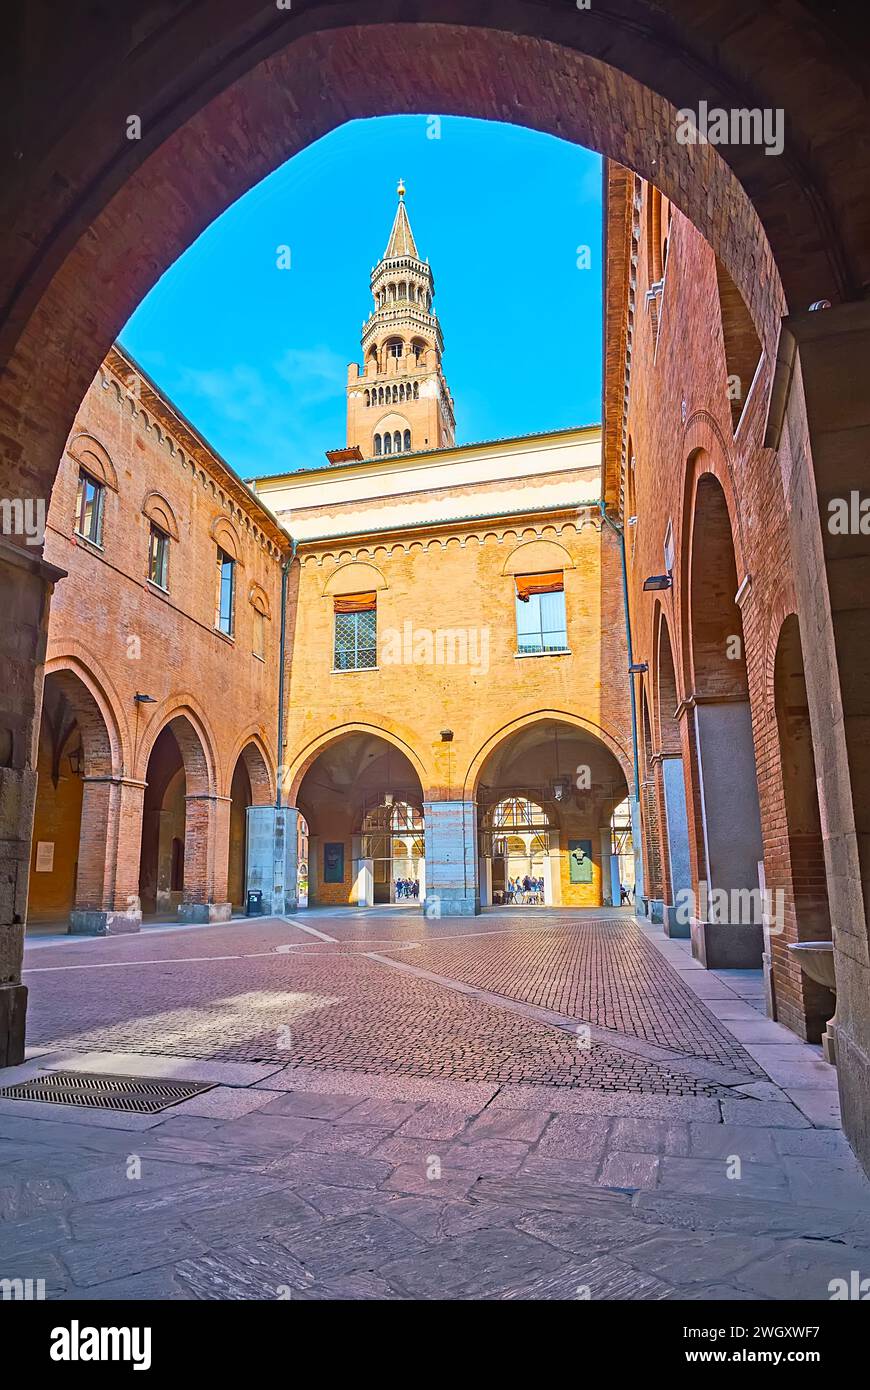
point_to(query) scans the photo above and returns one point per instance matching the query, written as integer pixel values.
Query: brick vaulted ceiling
(227, 90)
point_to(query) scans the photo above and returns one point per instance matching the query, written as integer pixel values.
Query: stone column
(731, 822)
(107, 889)
(26, 584)
(553, 868)
(677, 838)
(206, 859)
(605, 839)
(272, 858)
(484, 878)
(451, 859)
(821, 405)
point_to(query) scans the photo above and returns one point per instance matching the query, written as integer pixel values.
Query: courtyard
(521, 1105)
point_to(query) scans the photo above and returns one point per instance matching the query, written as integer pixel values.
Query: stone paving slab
(335, 1182)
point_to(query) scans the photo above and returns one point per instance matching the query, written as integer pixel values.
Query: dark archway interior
(810, 906)
(241, 797)
(348, 782)
(163, 827)
(573, 783)
(57, 819)
(718, 651)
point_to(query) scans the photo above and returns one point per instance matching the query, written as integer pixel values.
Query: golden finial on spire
(401, 189)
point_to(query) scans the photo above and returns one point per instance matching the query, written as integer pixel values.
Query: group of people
(407, 888)
(527, 889)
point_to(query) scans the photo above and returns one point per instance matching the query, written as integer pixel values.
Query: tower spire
(401, 242)
(399, 401)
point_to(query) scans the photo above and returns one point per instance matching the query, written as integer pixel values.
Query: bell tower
(398, 401)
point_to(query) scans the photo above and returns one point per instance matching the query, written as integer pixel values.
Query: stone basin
(816, 959)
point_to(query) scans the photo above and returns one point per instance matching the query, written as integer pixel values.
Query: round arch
(707, 456)
(95, 711)
(297, 768)
(665, 683)
(514, 726)
(195, 739)
(790, 229)
(259, 763)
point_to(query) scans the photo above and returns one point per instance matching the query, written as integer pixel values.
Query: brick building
(456, 690)
(728, 777)
(159, 720)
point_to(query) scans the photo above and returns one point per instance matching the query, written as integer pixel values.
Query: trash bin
(255, 903)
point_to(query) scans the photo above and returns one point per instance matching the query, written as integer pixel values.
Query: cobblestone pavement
(374, 1132)
(331, 1005)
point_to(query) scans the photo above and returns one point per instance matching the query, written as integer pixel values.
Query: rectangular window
(541, 621)
(356, 632)
(89, 508)
(259, 634)
(158, 557)
(226, 579)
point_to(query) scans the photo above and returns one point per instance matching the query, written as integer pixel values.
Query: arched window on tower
(397, 442)
(377, 445)
(368, 399)
(416, 390)
(388, 443)
(394, 347)
(407, 440)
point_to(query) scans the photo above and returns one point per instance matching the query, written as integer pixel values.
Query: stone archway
(549, 777)
(214, 116)
(359, 795)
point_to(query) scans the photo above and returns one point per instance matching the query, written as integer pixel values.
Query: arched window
(416, 390)
(368, 399)
(397, 441)
(395, 347)
(381, 396)
(388, 443)
(407, 439)
(377, 444)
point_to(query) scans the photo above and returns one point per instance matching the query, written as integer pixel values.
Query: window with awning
(530, 584)
(356, 632)
(541, 620)
(355, 603)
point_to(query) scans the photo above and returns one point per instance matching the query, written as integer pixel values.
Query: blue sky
(256, 357)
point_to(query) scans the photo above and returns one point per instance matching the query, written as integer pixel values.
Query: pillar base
(87, 922)
(656, 910)
(447, 904)
(672, 925)
(853, 1079)
(13, 1008)
(205, 912)
(727, 946)
(829, 1043)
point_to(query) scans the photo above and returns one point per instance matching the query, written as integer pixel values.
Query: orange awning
(528, 584)
(356, 603)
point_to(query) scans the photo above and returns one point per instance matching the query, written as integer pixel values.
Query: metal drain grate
(143, 1095)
